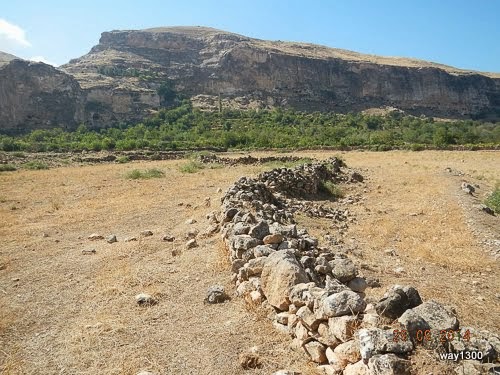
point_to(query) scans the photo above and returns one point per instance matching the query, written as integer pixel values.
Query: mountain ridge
(130, 74)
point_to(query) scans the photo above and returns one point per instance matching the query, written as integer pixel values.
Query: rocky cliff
(37, 96)
(126, 68)
(119, 80)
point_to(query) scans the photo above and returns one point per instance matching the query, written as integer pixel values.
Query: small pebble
(111, 239)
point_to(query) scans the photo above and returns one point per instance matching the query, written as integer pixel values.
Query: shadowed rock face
(38, 96)
(252, 73)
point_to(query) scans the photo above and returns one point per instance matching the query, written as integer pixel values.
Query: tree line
(185, 127)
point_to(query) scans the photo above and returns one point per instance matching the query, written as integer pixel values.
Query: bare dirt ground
(68, 313)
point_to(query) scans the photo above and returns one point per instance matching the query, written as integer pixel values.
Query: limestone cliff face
(37, 96)
(126, 68)
(119, 80)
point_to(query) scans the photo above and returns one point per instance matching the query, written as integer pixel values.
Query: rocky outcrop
(124, 71)
(36, 96)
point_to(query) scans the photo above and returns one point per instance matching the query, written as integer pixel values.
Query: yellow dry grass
(69, 313)
(64, 312)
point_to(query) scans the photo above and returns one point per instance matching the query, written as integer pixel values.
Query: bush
(493, 201)
(35, 165)
(123, 159)
(7, 167)
(192, 166)
(331, 189)
(136, 174)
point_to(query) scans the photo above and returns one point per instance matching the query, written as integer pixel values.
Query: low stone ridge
(316, 295)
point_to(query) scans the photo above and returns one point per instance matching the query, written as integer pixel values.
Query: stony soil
(69, 313)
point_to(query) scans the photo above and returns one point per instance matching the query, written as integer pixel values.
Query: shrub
(192, 166)
(331, 189)
(123, 159)
(35, 165)
(136, 174)
(7, 167)
(493, 201)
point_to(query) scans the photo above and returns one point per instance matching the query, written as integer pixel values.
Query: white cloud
(12, 36)
(42, 59)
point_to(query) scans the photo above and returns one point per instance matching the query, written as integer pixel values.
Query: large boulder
(281, 272)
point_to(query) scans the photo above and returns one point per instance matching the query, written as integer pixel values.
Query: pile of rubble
(318, 296)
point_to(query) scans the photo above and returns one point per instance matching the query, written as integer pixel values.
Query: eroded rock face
(124, 71)
(38, 96)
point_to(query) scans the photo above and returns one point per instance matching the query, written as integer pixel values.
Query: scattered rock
(343, 327)
(389, 364)
(168, 238)
(358, 284)
(429, 315)
(356, 177)
(191, 244)
(343, 270)
(250, 360)
(308, 318)
(144, 299)
(190, 221)
(130, 239)
(348, 351)
(343, 303)
(378, 341)
(192, 233)
(358, 368)
(216, 294)
(337, 362)
(286, 372)
(146, 233)
(316, 351)
(88, 251)
(273, 239)
(397, 300)
(373, 283)
(468, 188)
(95, 237)
(176, 252)
(255, 297)
(487, 210)
(111, 239)
(260, 230)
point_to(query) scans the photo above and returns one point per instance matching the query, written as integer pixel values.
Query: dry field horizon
(63, 312)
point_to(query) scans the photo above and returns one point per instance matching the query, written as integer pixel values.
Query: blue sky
(461, 33)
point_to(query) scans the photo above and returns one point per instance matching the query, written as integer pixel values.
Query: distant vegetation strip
(184, 127)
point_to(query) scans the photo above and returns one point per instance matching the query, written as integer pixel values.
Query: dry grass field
(63, 312)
